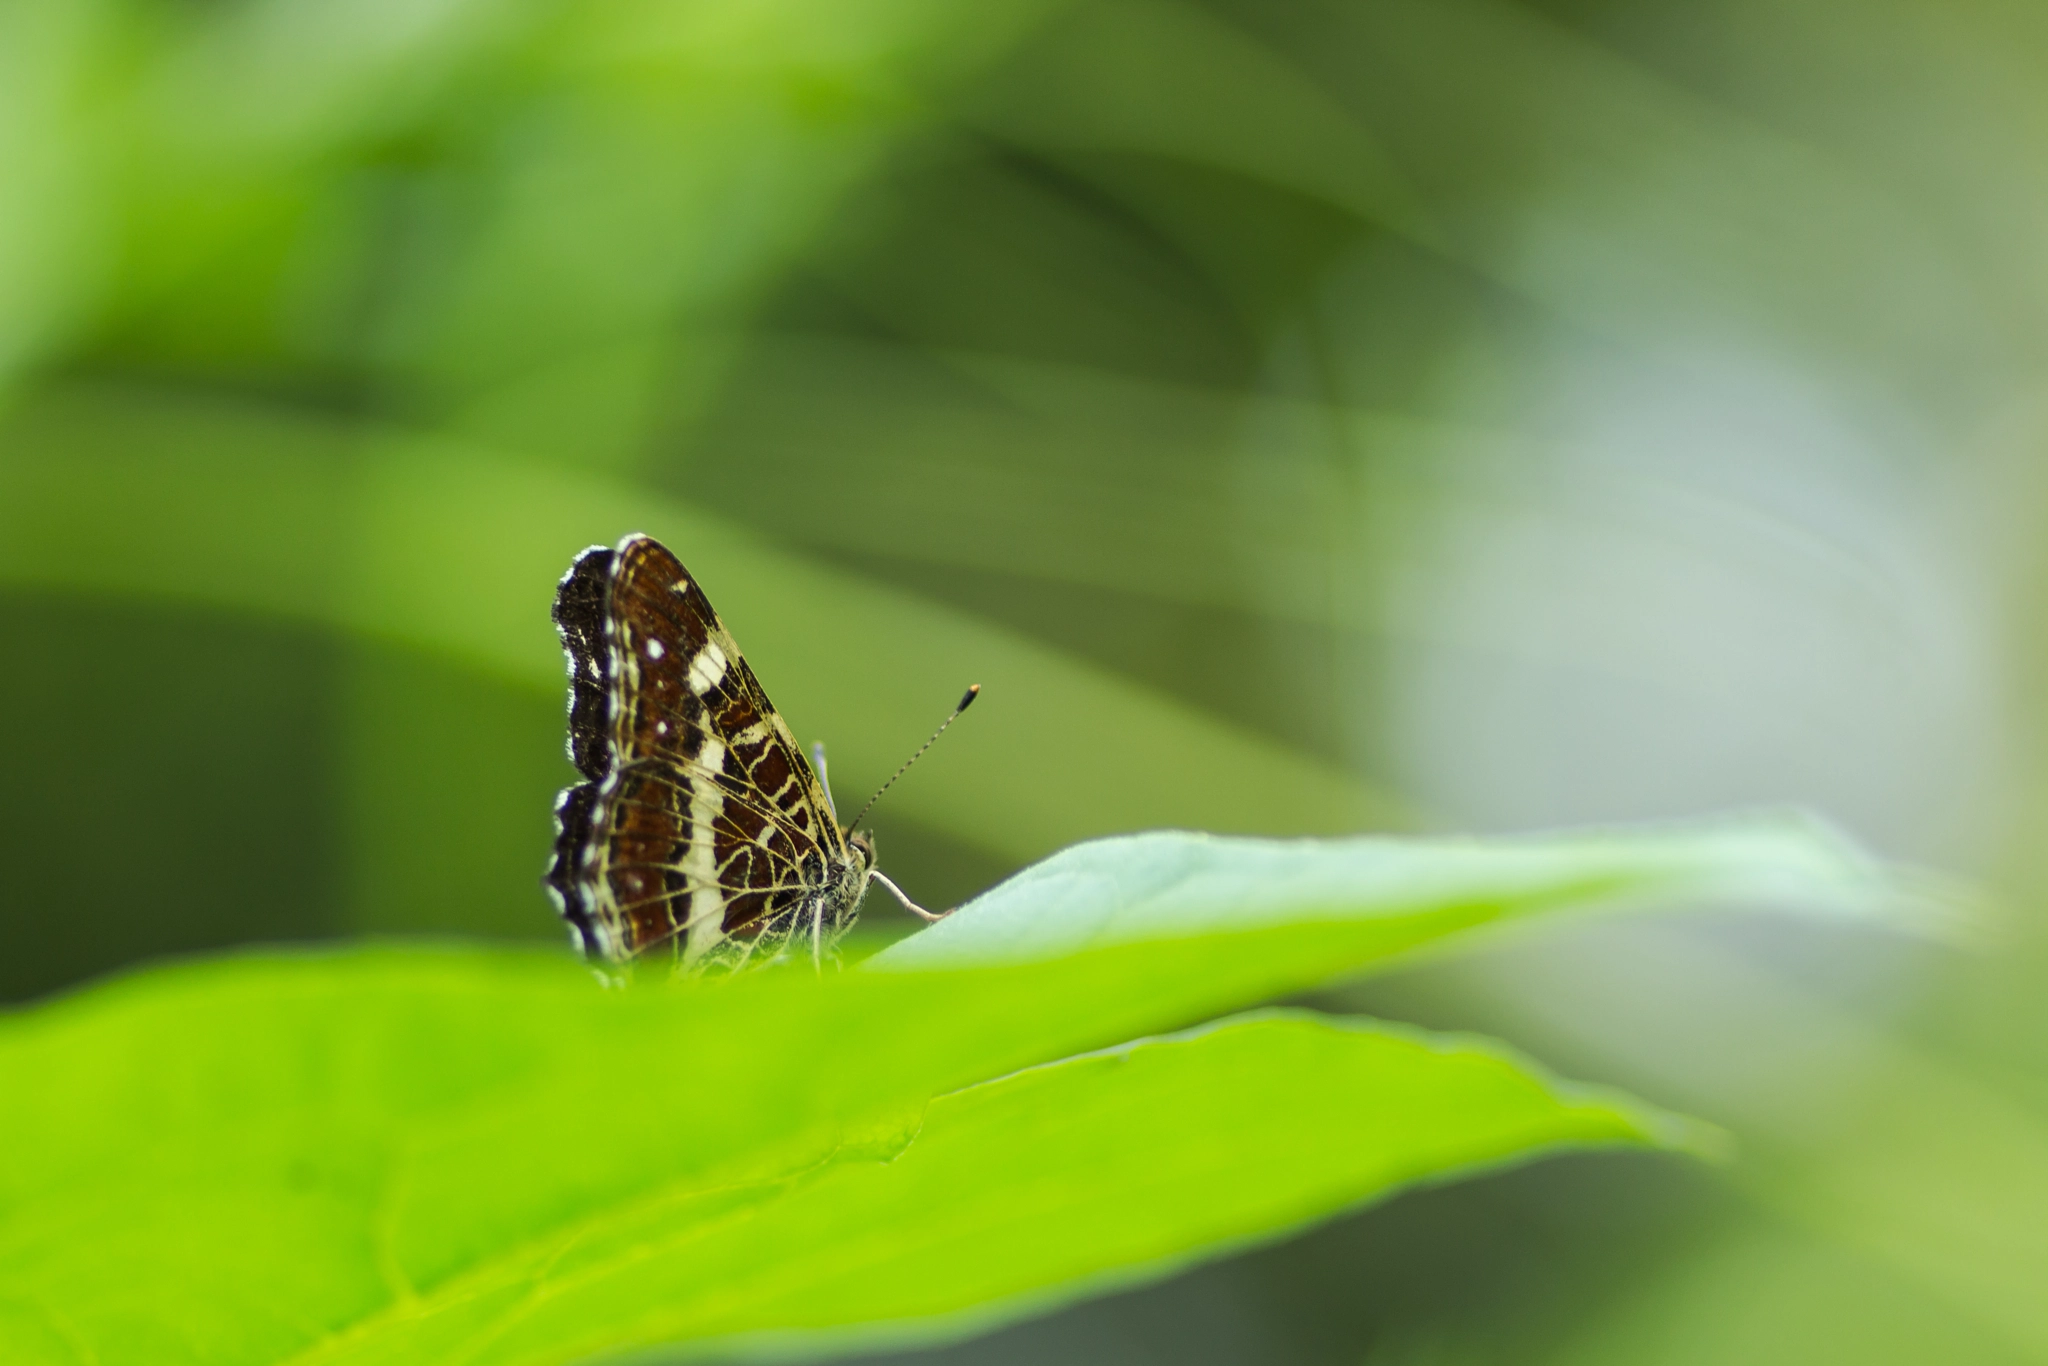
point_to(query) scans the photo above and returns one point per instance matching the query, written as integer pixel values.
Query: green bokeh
(1209, 381)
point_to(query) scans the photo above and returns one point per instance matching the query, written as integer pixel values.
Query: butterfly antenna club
(966, 701)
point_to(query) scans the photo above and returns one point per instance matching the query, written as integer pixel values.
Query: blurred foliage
(1301, 417)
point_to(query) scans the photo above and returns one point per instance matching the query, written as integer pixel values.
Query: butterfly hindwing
(703, 828)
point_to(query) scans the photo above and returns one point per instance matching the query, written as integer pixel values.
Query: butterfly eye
(865, 847)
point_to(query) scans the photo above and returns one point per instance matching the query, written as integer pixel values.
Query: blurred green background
(1301, 417)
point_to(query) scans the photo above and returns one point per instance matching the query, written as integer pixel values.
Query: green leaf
(1008, 1189)
(459, 1155)
(1173, 884)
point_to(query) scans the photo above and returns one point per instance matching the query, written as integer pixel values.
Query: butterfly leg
(920, 912)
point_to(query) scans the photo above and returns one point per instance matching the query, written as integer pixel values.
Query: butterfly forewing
(703, 830)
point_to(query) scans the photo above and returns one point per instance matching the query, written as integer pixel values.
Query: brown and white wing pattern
(701, 830)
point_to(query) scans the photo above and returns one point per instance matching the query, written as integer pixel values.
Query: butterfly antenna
(965, 702)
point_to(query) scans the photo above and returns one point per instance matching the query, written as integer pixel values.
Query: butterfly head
(862, 846)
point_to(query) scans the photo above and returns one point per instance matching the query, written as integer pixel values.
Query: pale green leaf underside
(425, 1155)
(1173, 884)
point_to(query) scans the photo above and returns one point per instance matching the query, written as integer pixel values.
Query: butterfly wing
(702, 826)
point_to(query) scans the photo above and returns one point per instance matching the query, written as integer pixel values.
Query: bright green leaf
(238, 1160)
(1009, 1189)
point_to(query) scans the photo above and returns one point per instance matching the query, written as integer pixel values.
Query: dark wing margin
(573, 811)
(580, 610)
(580, 613)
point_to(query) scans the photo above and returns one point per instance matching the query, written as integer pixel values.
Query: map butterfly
(700, 832)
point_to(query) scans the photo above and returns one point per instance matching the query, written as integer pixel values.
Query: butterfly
(700, 832)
